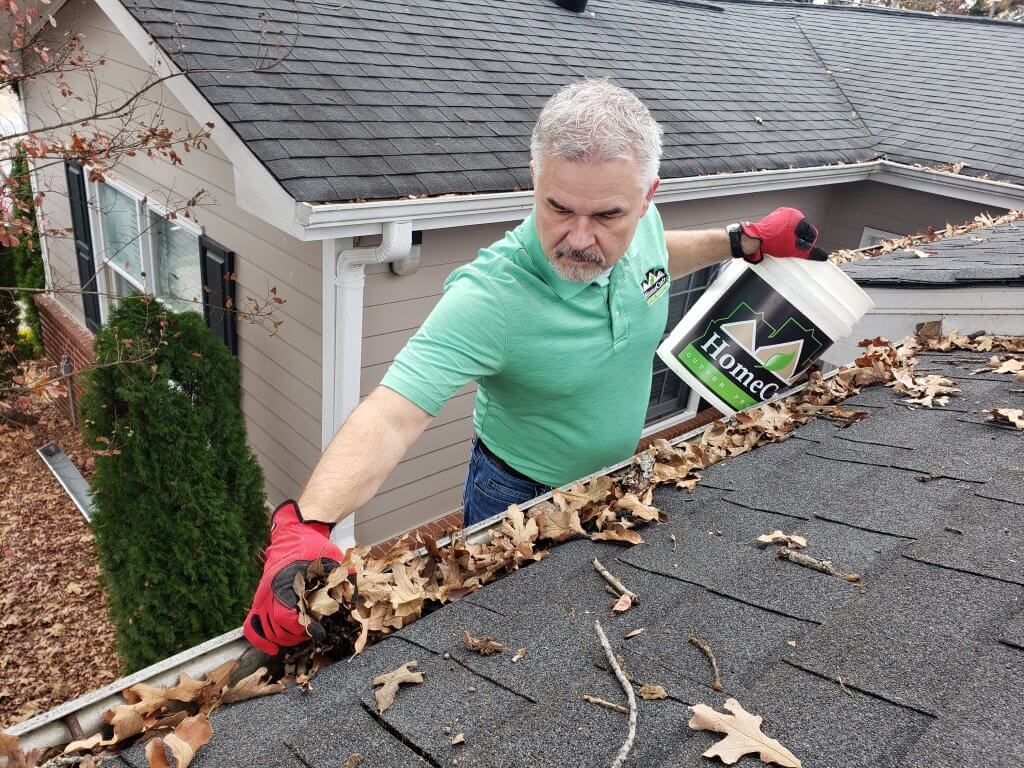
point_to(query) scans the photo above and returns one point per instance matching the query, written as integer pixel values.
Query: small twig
(842, 686)
(621, 676)
(617, 585)
(822, 566)
(704, 648)
(608, 588)
(951, 529)
(673, 537)
(606, 704)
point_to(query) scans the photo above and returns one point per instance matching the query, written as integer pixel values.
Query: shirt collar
(566, 289)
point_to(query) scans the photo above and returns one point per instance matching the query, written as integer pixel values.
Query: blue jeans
(490, 488)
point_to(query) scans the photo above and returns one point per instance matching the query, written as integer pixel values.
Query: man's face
(587, 213)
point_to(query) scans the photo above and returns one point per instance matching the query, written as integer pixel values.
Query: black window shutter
(83, 244)
(218, 265)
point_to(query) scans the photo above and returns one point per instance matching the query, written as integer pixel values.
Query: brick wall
(63, 335)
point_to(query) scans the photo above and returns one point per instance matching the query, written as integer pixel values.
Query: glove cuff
(288, 512)
(751, 231)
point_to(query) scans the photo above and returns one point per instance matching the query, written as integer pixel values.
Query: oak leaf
(1014, 416)
(390, 681)
(743, 735)
(639, 509)
(485, 645)
(251, 687)
(183, 743)
(556, 524)
(619, 533)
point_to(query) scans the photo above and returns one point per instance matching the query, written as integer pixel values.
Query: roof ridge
(876, 9)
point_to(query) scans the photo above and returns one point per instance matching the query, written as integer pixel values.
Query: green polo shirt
(564, 369)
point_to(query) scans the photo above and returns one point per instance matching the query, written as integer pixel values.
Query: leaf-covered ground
(57, 642)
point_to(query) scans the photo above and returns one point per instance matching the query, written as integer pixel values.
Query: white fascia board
(256, 190)
(353, 219)
(985, 191)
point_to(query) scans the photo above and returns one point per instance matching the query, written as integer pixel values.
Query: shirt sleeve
(465, 338)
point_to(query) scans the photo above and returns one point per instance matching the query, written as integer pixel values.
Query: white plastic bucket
(759, 326)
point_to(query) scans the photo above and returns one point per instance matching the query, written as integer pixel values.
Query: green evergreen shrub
(28, 257)
(180, 521)
(10, 313)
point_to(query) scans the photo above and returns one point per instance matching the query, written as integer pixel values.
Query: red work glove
(784, 232)
(273, 620)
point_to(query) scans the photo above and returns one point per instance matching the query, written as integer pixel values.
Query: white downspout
(344, 277)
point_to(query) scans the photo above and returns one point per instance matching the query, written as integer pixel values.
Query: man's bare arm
(370, 443)
(691, 250)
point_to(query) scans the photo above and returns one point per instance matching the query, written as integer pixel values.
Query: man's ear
(649, 196)
(533, 174)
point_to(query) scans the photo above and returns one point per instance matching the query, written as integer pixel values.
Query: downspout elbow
(395, 246)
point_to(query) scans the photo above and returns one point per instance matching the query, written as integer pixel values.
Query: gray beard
(577, 273)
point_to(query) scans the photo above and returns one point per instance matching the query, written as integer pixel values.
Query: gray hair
(594, 120)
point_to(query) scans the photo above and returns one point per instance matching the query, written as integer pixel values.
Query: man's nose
(581, 233)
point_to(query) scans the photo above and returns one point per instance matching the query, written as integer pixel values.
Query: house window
(871, 237)
(176, 267)
(669, 395)
(141, 251)
(122, 251)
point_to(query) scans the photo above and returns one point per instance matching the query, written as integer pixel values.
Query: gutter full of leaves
(419, 574)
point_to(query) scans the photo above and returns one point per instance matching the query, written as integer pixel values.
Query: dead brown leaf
(557, 524)
(251, 687)
(619, 533)
(352, 761)
(623, 604)
(1014, 416)
(743, 735)
(652, 692)
(635, 632)
(485, 645)
(390, 681)
(183, 743)
(791, 540)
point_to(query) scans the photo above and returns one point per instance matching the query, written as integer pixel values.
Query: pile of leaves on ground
(930, 235)
(56, 641)
(418, 573)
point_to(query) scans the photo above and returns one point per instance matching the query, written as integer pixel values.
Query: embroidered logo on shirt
(654, 284)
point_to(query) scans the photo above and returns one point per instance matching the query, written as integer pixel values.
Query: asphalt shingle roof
(990, 256)
(375, 100)
(925, 505)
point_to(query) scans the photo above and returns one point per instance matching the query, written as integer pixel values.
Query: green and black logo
(654, 284)
(755, 343)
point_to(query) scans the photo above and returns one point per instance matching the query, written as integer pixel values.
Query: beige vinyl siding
(891, 209)
(280, 374)
(428, 482)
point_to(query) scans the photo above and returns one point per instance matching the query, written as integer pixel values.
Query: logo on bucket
(753, 344)
(654, 284)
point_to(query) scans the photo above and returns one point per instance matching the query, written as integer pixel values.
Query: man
(558, 322)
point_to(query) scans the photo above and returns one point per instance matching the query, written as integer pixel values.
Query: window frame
(104, 279)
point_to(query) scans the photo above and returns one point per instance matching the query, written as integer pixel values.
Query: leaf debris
(390, 681)
(1014, 416)
(791, 540)
(485, 645)
(743, 735)
(652, 692)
